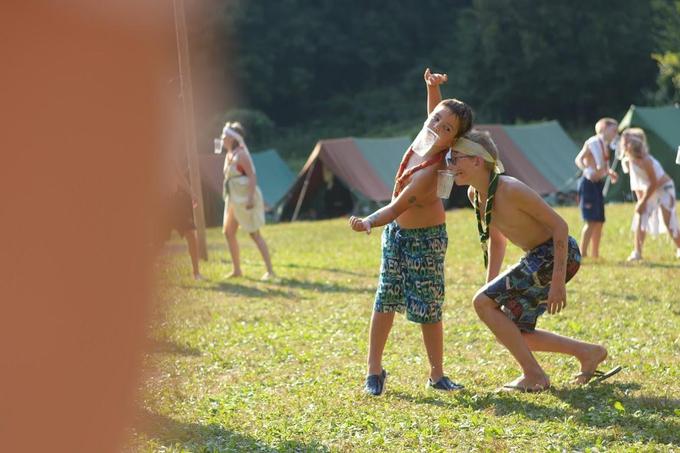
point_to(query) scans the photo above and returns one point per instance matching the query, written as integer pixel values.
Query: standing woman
(655, 192)
(243, 203)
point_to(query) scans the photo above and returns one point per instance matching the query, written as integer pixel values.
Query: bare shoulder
(512, 189)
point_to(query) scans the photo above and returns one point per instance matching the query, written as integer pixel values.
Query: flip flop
(521, 389)
(597, 375)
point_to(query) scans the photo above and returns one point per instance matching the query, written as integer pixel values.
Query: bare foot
(198, 277)
(589, 362)
(235, 274)
(268, 276)
(527, 385)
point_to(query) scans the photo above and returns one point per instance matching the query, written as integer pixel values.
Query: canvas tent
(662, 126)
(357, 174)
(541, 155)
(273, 177)
(342, 175)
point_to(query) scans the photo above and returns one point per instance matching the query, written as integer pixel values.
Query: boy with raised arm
(414, 241)
(510, 303)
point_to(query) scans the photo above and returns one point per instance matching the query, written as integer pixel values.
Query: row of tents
(357, 174)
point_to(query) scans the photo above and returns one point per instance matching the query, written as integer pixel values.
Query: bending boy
(414, 242)
(510, 303)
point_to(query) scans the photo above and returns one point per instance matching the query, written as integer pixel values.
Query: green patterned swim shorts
(412, 272)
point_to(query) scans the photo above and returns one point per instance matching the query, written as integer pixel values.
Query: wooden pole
(189, 124)
(303, 191)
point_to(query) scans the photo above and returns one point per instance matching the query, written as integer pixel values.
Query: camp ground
(274, 177)
(349, 174)
(662, 126)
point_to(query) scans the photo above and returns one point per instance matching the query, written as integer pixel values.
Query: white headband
(470, 148)
(233, 134)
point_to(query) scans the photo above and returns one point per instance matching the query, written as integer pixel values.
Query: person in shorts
(593, 161)
(511, 302)
(414, 243)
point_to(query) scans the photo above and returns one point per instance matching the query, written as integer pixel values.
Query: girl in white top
(655, 192)
(243, 203)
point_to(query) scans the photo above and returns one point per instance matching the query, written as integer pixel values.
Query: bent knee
(483, 303)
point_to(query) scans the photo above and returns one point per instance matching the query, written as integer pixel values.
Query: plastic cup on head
(445, 180)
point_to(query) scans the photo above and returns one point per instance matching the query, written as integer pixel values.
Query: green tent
(662, 126)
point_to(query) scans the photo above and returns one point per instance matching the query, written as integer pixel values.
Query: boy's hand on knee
(557, 298)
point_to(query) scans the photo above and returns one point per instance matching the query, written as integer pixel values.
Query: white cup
(218, 146)
(677, 157)
(444, 183)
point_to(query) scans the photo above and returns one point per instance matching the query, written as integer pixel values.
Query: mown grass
(244, 365)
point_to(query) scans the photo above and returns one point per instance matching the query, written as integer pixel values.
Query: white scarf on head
(236, 136)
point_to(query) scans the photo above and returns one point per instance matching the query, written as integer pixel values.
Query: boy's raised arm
(432, 82)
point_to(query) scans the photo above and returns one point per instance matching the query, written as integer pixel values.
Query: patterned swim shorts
(412, 272)
(522, 291)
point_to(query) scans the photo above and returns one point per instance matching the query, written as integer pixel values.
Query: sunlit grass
(244, 365)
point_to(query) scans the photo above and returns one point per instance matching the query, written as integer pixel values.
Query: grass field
(244, 365)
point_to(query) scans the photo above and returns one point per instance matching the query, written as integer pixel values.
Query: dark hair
(463, 112)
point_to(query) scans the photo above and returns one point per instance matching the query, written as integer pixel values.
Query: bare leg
(589, 355)
(191, 237)
(433, 337)
(264, 251)
(586, 233)
(381, 324)
(639, 239)
(595, 238)
(510, 336)
(229, 230)
(667, 220)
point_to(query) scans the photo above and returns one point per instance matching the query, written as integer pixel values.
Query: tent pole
(189, 126)
(303, 192)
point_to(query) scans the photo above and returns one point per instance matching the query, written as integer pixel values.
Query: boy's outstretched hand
(433, 80)
(359, 224)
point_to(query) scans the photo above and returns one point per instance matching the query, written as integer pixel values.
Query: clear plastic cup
(218, 146)
(424, 141)
(444, 183)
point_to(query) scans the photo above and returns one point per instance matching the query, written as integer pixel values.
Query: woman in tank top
(243, 202)
(655, 192)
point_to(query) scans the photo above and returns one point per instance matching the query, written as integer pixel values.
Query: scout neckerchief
(403, 175)
(483, 226)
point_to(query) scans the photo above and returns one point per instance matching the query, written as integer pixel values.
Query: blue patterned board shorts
(522, 291)
(412, 272)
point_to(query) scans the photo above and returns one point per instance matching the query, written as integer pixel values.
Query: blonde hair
(637, 139)
(236, 127)
(604, 123)
(483, 138)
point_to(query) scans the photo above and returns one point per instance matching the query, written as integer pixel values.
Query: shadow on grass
(290, 284)
(324, 269)
(209, 437)
(237, 289)
(169, 347)
(640, 417)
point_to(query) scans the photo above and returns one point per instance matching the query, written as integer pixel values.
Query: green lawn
(243, 365)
